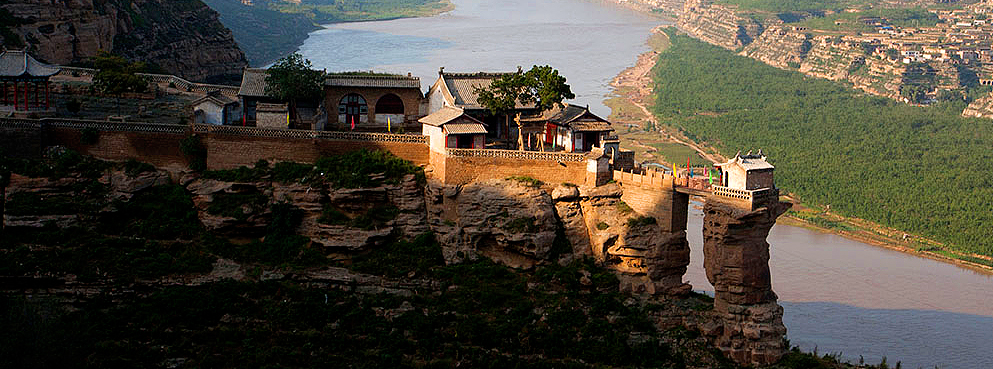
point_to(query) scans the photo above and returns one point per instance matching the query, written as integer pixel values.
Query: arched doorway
(351, 109)
(389, 104)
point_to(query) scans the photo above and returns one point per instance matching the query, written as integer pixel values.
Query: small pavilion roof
(749, 161)
(21, 64)
(579, 118)
(461, 88)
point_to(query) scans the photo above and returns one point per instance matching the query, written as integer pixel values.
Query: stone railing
(94, 124)
(516, 154)
(750, 196)
(20, 123)
(311, 135)
(180, 83)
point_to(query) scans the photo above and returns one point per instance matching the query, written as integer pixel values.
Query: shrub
(602, 225)
(640, 221)
(237, 205)
(133, 167)
(520, 225)
(527, 181)
(195, 152)
(624, 208)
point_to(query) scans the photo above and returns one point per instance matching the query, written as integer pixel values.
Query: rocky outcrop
(781, 47)
(183, 37)
(343, 221)
(748, 325)
(980, 108)
(505, 220)
(717, 24)
(646, 259)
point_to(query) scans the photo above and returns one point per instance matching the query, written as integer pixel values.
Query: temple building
(458, 90)
(569, 127)
(747, 172)
(452, 128)
(25, 83)
(372, 102)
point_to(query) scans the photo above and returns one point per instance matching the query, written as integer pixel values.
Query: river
(840, 296)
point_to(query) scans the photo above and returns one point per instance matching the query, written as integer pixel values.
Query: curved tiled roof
(253, 83)
(445, 115)
(387, 81)
(463, 87)
(19, 63)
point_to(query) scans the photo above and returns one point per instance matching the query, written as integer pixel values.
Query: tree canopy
(541, 86)
(117, 75)
(292, 79)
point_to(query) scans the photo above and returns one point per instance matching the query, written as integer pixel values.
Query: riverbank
(633, 94)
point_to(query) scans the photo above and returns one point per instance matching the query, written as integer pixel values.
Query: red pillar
(46, 96)
(15, 95)
(27, 105)
(36, 94)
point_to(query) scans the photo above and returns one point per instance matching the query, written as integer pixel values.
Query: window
(353, 104)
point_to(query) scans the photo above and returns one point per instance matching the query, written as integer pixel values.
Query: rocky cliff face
(341, 221)
(717, 24)
(780, 47)
(184, 37)
(980, 108)
(748, 325)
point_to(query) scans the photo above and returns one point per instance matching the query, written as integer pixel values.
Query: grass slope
(911, 168)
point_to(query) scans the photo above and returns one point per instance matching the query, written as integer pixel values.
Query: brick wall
(159, 149)
(232, 151)
(653, 194)
(21, 140)
(462, 170)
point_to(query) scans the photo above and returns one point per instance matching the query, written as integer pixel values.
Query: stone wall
(657, 199)
(468, 169)
(156, 148)
(229, 151)
(21, 139)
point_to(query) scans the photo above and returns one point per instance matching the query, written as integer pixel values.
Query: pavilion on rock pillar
(25, 83)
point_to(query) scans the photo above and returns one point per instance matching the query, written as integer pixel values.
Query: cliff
(717, 24)
(182, 37)
(780, 47)
(980, 108)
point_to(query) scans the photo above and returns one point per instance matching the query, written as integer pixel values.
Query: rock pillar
(748, 323)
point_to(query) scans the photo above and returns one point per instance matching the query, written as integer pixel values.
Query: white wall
(213, 114)
(436, 100)
(436, 137)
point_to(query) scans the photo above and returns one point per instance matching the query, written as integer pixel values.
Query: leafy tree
(541, 86)
(914, 93)
(117, 76)
(293, 79)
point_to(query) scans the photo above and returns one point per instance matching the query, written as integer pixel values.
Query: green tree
(292, 79)
(117, 76)
(541, 86)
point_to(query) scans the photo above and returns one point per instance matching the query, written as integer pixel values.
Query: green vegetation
(527, 181)
(293, 79)
(901, 17)
(902, 166)
(522, 225)
(674, 153)
(602, 225)
(195, 151)
(641, 221)
(779, 6)
(333, 11)
(374, 218)
(623, 208)
(355, 169)
(541, 86)
(117, 75)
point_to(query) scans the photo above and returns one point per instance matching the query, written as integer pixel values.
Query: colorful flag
(710, 176)
(353, 122)
(688, 170)
(388, 129)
